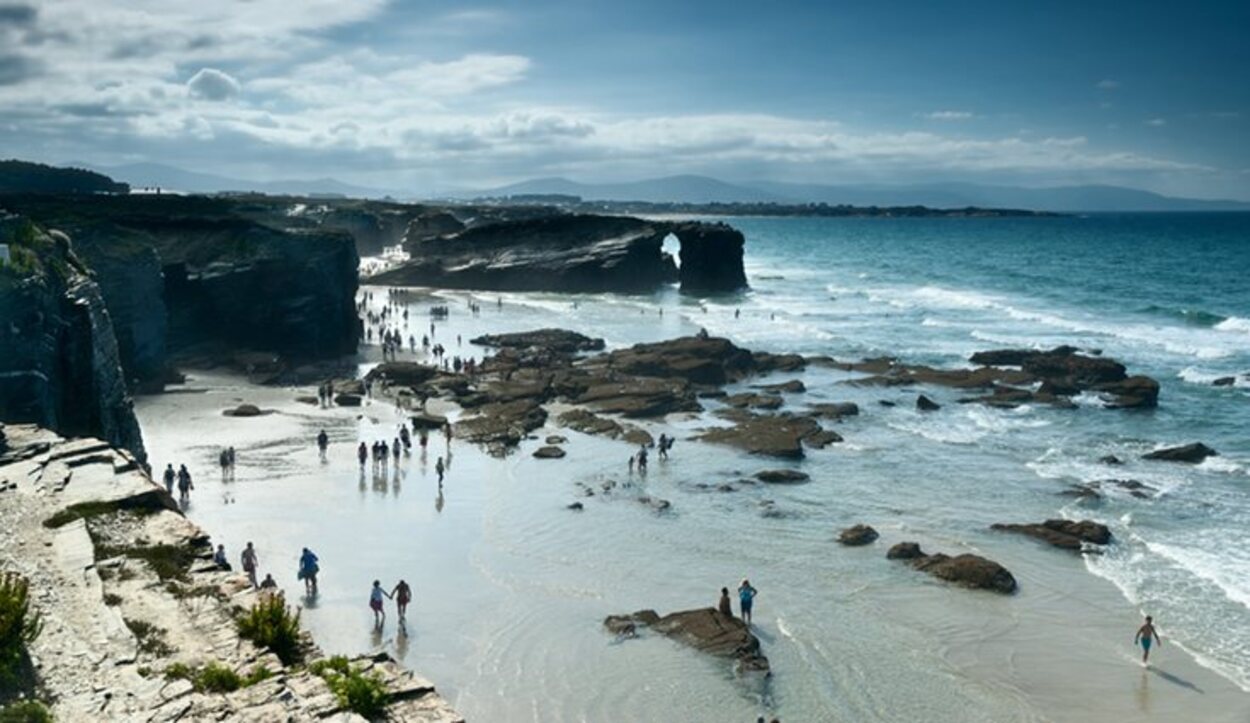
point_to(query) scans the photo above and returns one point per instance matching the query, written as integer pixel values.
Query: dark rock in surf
(782, 476)
(857, 535)
(925, 404)
(836, 410)
(1191, 453)
(549, 452)
(778, 435)
(822, 439)
(1224, 382)
(904, 551)
(1064, 534)
(348, 400)
(1111, 459)
(245, 410)
(794, 386)
(557, 340)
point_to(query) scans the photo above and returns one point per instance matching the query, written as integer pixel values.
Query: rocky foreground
(127, 593)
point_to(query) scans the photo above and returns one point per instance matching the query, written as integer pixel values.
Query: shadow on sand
(1175, 680)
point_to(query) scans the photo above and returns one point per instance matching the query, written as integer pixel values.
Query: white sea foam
(1221, 464)
(1234, 324)
(1227, 570)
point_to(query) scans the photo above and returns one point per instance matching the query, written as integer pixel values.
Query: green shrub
(216, 677)
(362, 693)
(18, 628)
(271, 624)
(27, 711)
(151, 638)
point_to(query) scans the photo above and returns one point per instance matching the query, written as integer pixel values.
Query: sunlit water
(511, 587)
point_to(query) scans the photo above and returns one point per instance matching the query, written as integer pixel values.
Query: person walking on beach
(746, 599)
(375, 603)
(725, 607)
(642, 459)
(184, 482)
(439, 468)
(323, 443)
(170, 476)
(362, 453)
(249, 563)
(1143, 638)
(308, 570)
(402, 594)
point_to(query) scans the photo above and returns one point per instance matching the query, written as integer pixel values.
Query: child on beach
(402, 595)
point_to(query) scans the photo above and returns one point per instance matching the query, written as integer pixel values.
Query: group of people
(746, 600)
(182, 478)
(226, 458)
(401, 594)
(249, 560)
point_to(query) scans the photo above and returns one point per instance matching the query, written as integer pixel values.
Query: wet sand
(511, 587)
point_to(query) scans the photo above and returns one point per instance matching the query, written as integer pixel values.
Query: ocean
(511, 587)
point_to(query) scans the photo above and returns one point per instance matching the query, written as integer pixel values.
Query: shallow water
(511, 587)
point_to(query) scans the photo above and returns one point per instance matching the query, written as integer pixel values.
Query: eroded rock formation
(575, 253)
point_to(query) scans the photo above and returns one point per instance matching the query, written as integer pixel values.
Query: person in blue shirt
(308, 570)
(746, 598)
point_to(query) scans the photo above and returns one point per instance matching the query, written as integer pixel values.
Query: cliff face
(61, 367)
(576, 253)
(292, 293)
(181, 272)
(131, 280)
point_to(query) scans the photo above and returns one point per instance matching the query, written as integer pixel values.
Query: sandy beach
(511, 587)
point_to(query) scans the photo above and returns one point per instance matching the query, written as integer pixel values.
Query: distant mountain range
(701, 189)
(169, 178)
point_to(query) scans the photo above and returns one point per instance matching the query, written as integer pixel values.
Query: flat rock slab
(1191, 453)
(782, 476)
(704, 629)
(549, 452)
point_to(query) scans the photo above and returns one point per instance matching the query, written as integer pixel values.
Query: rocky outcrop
(1064, 534)
(857, 535)
(575, 253)
(706, 630)
(1191, 453)
(127, 593)
(972, 571)
(558, 340)
(60, 366)
(768, 435)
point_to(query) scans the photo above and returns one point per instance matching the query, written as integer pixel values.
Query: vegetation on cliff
(25, 177)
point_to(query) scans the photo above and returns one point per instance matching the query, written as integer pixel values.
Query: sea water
(511, 587)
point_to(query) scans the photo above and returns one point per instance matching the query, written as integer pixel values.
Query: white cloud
(949, 115)
(1107, 84)
(212, 84)
(1156, 122)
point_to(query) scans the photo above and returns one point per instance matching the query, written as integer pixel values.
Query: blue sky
(425, 96)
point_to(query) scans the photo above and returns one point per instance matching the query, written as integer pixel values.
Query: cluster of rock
(1020, 376)
(567, 252)
(966, 570)
(705, 629)
(125, 588)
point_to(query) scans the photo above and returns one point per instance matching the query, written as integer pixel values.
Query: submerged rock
(1224, 382)
(1064, 534)
(857, 535)
(925, 404)
(246, 410)
(971, 571)
(549, 452)
(782, 476)
(1191, 453)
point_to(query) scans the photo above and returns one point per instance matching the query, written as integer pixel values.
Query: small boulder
(549, 452)
(905, 551)
(885, 403)
(822, 439)
(1064, 534)
(1110, 459)
(244, 410)
(348, 400)
(925, 404)
(1224, 382)
(857, 535)
(556, 439)
(576, 506)
(1191, 453)
(968, 570)
(782, 476)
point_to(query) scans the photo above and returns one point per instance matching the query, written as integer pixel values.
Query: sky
(429, 96)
